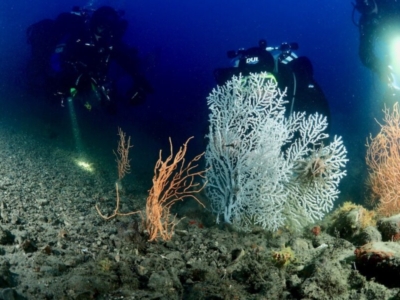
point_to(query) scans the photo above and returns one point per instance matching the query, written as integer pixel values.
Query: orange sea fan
(383, 160)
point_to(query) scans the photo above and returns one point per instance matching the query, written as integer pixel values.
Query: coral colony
(264, 168)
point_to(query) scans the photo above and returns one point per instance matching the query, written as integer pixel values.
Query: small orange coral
(396, 237)
(316, 230)
(284, 257)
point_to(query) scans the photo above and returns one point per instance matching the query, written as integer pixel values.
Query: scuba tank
(293, 73)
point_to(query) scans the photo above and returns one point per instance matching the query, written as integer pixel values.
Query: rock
(350, 220)
(174, 255)
(380, 260)
(327, 282)
(390, 228)
(367, 235)
(15, 219)
(70, 263)
(9, 294)
(28, 246)
(6, 279)
(5, 237)
(159, 281)
(42, 202)
(163, 281)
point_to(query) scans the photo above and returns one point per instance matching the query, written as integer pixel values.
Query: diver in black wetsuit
(379, 20)
(71, 57)
(291, 72)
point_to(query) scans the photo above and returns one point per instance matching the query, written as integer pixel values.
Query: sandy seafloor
(54, 245)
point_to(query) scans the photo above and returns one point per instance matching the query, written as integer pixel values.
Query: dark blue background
(181, 42)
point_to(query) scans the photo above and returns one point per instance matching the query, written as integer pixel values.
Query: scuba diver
(75, 57)
(379, 23)
(291, 72)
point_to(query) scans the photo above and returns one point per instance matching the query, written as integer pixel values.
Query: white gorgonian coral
(264, 168)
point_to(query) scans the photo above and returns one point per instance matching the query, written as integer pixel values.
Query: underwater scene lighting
(395, 52)
(394, 67)
(75, 127)
(84, 165)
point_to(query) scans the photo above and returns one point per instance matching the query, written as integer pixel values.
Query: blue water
(181, 42)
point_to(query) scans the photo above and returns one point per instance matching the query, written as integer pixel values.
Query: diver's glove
(60, 97)
(138, 94)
